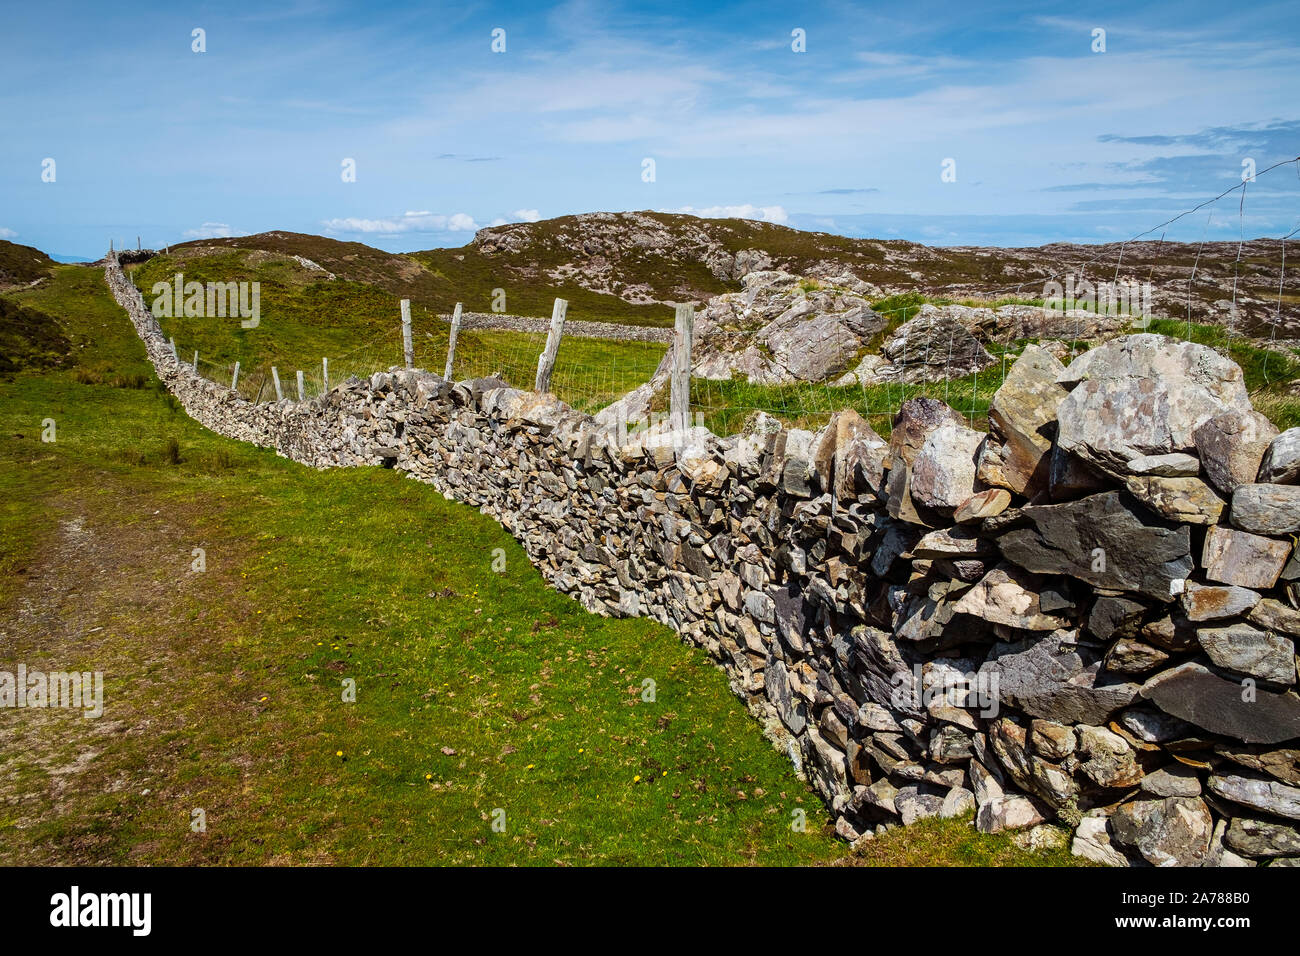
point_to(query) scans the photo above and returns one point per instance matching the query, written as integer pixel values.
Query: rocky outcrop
(1077, 656)
(783, 328)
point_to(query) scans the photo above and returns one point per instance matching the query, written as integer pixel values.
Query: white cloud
(747, 211)
(212, 230)
(7, 233)
(527, 215)
(421, 221)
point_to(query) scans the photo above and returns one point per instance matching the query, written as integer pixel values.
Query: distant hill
(22, 265)
(626, 267)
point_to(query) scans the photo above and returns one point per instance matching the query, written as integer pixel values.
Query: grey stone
(1007, 813)
(1173, 465)
(1266, 796)
(1175, 831)
(1144, 395)
(943, 474)
(1175, 780)
(958, 802)
(1022, 421)
(1092, 842)
(1231, 446)
(1241, 558)
(1281, 462)
(1262, 838)
(1267, 509)
(1102, 541)
(1192, 693)
(1053, 678)
(1009, 596)
(1243, 649)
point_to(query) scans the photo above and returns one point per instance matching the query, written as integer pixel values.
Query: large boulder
(1022, 424)
(782, 328)
(1104, 541)
(1144, 395)
(933, 346)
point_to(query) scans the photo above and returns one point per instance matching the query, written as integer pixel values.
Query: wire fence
(591, 373)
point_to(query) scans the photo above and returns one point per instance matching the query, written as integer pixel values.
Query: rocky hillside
(652, 256)
(22, 265)
(624, 267)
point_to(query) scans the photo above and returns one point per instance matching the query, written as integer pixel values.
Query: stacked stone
(1085, 617)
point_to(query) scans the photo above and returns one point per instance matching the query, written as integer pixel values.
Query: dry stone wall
(1085, 617)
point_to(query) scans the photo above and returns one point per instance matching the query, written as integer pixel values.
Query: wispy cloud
(775, 214)
(212, 230)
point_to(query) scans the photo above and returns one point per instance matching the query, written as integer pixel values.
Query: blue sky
(1051, 140)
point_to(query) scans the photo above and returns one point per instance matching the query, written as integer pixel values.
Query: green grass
(357, 326)
(476, 691)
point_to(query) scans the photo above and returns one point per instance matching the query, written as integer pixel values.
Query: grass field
(476, 692)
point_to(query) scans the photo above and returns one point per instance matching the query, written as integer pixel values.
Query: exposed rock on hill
(783, 328)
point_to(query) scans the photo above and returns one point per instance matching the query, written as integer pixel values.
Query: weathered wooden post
(325, 374)
(196, 360)
(234, 379)
(451, 342)
(275, 377)
(302, 392)
(680, 389)
(546, 363)
(408, 350)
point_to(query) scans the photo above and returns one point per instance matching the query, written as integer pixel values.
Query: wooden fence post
(546, 363)
(196, 360)
(302, 392)
(680, 389)
(408, 351)
(234, 380)
(275, 377)
(451, 343)
(325, 374)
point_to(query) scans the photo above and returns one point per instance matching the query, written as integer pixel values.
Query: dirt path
(112, 593)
